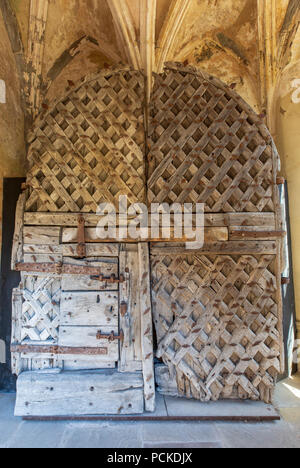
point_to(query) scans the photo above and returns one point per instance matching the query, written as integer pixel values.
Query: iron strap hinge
(81, 247)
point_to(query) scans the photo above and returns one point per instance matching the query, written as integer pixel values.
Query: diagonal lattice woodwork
(207, 146)
(40, 309)
(216, 319)
(89, 148)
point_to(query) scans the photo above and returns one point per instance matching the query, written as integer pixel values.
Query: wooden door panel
(107, 266)
(87, 337)
(217, 323)
(89, 308)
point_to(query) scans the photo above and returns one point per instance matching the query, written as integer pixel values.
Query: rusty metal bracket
(81, 247)
(111, 337)
(111, 280)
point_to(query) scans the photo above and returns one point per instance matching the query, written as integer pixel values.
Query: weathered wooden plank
(50, 351)
(17, 303)
(42, 258)
(210, 219)
(17, 248)
(78, 393)
(87, 337)
(69, 250)
(92, 250)
(107, 266)
(89, 308)
(35, 249)
(41, 235)
(146, 327)
(211, 234)
(129, 306)
(82, 363)
(250, 233)
(232, 247)
(165, 384)
(84, 283)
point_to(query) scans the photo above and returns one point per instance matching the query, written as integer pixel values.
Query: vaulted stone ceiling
(65, 40)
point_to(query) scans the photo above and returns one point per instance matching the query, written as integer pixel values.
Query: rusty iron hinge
(60, 269)
(111, 337)
(81, 247)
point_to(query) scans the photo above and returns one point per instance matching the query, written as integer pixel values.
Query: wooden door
(90, 308)
(217, 311)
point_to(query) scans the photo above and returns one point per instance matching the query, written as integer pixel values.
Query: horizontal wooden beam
(210, 219)
(259, 235)
(211, 234)
(63, 350)
(224, 248)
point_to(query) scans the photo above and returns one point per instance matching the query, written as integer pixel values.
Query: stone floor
(15, 433)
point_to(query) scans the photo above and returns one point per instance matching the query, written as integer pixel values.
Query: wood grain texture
(78, 393)
(72, 336)
(146, 327)
(211, 234)
(207, 146)
(87, 150)
(210, 219)
(89, 308)
(17, 249)
(217, 324)
(130, 312)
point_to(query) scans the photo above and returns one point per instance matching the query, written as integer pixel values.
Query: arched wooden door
(217, 311)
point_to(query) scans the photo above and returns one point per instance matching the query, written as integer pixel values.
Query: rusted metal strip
(81, 247)
(111, 337)
(60, 269)
(64, 350)
(257, 234)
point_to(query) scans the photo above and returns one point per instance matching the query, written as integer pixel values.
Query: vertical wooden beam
(129, 306)
(147, 41)
(125, 31)
(146, 327)
(35, 53)
(172, 24)
(17, 248)
(17, 304)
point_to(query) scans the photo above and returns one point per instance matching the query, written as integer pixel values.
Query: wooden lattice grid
(89, 148)
(217, 324)
(40, 309)
(207, 146)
